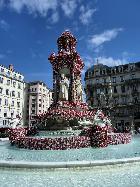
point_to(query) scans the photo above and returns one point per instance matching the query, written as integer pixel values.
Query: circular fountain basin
(105, 167)
(85, 157)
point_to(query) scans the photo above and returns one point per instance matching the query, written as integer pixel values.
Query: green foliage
(47, 124)
(73, 122)
(3, 134)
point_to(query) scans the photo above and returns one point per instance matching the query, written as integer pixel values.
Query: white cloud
(88, 62)
(86, 14)
(51, 8)
(68, 6)
(4, 25)
(34, 6)
(108, 35)
(109, 61)
(55, 17)
(42, 7)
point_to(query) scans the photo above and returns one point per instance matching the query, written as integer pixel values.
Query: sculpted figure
(64, 88)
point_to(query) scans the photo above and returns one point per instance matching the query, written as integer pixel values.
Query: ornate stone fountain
(67, 85)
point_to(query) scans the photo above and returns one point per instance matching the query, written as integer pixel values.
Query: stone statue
(78, 88)
(64, 88)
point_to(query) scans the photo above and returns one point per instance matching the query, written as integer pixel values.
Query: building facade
(11, 95)
(38, 99)
(117, 90)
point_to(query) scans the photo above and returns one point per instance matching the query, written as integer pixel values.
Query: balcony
(133, 80)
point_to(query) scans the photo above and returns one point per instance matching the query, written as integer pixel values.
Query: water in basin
(111, 152)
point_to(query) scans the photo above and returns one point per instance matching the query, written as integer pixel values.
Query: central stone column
(67, 67)
(68, 103)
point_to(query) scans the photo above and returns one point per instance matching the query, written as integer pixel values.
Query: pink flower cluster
(98, 136)
(61, 143)
(67, 114)
(66, 59)
(16, 133)
(119, 138)
(71, 104)
(95, 136)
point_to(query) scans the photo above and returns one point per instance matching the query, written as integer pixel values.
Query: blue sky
(105, 29)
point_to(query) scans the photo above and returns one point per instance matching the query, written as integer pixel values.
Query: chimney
(11, 67)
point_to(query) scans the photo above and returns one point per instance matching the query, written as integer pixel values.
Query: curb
(65, 165)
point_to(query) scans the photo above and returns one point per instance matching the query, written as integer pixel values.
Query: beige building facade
(11, 95)
(116, 90)
(38, 100)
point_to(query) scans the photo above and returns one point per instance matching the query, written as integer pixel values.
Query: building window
(131, 67)
(18, 104)
(7, 92)
(98, 91)
(15, 76)
(1, 90)
(122, 78)
(0, 101)
(33, 100)
(6, 102)
(33, 105)
(8, 82)
(104, 72)
(97, 80)
(123, 100)
(19, 86)
(96, 72)
(40, 100)
(13, 93)
(114, 79)
(89, 73)
(18, 94)
(115, 101)
(12, 103)
(123, 89)
(106, 90)
(132, 76)
(14, 84)
(33, 111)
(2, 70)
(115, 89)
(8, 73)
(39, 105)
(104, 80)
(120, 69)
(135, 100)
(5, 115)
(1, 79)
(134, 88)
